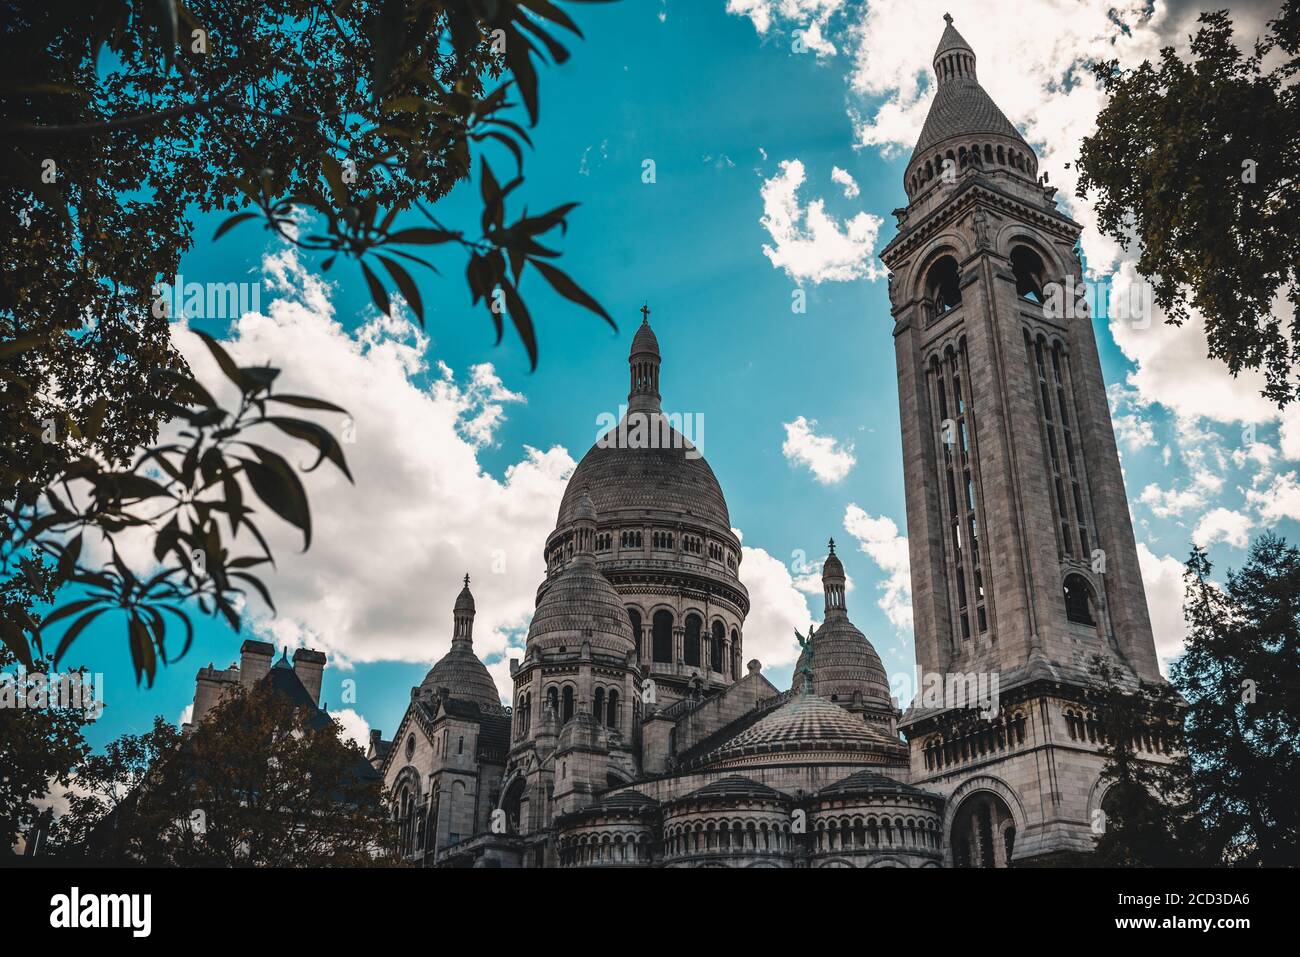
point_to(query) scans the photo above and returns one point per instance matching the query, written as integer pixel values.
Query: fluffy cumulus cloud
(808, 243)
(878, 537)
(1223, 525)
(1162, 577)
(825, 456)
(355, 727)
(1279, 500)
(388, 554)
(776, 608)
(845, 179)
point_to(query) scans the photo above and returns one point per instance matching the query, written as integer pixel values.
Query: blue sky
(719, 101)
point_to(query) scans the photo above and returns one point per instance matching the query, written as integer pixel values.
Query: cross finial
(947, 18)
(645, 313)
(467, 579)
(832, 543)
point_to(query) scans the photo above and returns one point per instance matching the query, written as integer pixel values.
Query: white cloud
(388, 554)
(1223, 525)
(826, 457)
(809, 243)
(776, 609)
(1162, 577)
(1278, 500)
(809, 18)
(354, 725)
(187, 715)
(845, 179)
(879, 538)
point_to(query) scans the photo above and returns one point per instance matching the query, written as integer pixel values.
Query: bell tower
(1023, 560)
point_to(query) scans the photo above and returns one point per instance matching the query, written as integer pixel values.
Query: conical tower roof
(962, 109)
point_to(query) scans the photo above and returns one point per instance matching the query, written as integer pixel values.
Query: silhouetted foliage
(1200, 161)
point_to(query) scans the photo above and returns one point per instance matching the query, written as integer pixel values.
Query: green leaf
(306, 402)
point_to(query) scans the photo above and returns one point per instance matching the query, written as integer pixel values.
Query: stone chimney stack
(255, 659)
(309, 666)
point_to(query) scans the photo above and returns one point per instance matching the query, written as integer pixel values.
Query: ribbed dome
(465, 600)
(460, 671)
(645, 341)
(870, 782)
(735, 786)
(807, 721)
(581, 606)
(844, 662)
(961, 108)
(619, 478)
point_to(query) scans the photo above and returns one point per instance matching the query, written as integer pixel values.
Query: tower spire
(833, 582)
(463, 616)
(643, 363)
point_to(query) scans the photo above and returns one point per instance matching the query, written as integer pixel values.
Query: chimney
(309, 666)
(254, 661)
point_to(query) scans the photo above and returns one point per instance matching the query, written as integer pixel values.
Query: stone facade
(636, 738)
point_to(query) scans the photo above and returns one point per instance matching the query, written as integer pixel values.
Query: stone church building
(638, 734)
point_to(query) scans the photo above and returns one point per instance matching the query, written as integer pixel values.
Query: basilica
(639, 735)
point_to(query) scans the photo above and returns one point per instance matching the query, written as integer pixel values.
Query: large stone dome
(806, 723)
(623, 477)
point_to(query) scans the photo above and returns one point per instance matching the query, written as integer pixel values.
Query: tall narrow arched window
(634, 617)
(943, 286)
(611, 710)
(1028, 268)
(568, 704)
(661, 636)
(553, 700)
(735, 653)
(691, 645)
(715, 646)
(598, 705)
(1080, 604)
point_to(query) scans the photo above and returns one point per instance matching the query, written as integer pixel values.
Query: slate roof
(732, 787)
(871, 782)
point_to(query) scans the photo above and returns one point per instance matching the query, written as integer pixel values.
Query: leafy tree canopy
(1199, 161)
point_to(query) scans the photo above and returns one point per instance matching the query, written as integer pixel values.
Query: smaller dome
(645, 342)
(832, 567)
(734, 787)
(808, 722)
(581, 606)
(463, 675)
(585, 510)
(951, 40)
(844, 662)
(465, 600)
(868, 782)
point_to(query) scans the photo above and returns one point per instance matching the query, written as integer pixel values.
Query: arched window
(715, 647)
(634, 617)
(553, 700)
(735, 653)
(661, 637)
(598, 706)
(943, 286)
(1028, 268)
(611, 710)
(1079, 600)
(568, 703)
(691, 646)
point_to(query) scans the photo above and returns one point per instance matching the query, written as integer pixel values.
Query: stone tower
(1023, 560)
